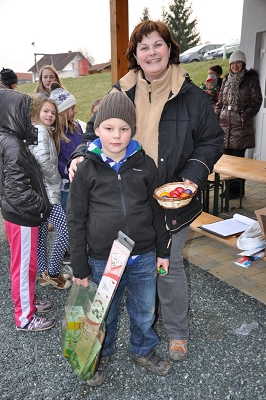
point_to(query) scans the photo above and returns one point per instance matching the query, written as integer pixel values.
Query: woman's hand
(188, 182)
(81, 282)
(164, 264)
(73, 167)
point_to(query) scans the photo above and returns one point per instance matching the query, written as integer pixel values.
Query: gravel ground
(221, 365)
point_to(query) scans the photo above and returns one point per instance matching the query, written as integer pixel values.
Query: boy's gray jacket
(101, 202)
(22, 193)
(46, 155)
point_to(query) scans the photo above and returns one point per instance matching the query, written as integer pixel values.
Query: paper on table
(231, 226)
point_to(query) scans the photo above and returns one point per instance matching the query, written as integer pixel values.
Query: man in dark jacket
(24, 206)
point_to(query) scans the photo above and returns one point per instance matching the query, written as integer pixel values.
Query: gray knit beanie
(237, 56)
(116, 105)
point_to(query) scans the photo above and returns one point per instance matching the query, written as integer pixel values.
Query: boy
(24, 206)
(113, 190)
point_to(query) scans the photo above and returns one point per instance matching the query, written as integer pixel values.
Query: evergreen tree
(145, 14)
(183, 32)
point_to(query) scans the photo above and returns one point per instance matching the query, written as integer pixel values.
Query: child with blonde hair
(44, 116)
(47, 75)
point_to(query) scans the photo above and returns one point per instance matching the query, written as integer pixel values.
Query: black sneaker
(154, 363)
(101, 373)
(38, 324)
(66, 259)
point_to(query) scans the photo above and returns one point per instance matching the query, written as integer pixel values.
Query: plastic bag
(85, 356)
(77, 306)
(252, 238)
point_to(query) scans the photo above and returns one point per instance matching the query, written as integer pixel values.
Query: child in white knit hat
(70, 138)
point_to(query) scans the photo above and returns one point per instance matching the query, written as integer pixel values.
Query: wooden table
(239, 167)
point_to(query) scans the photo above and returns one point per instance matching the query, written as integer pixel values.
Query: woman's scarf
(233, 91)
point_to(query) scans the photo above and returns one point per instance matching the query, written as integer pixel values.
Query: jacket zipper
(149, 92)
(123, 203)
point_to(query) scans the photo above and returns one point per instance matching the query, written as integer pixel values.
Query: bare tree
(85, 52)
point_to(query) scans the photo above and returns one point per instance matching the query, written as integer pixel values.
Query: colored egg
(184, 195)
(174, 193)
(188, 191)
(179, 189)
(165, 194)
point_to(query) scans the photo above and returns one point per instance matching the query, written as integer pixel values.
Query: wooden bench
(206, 218)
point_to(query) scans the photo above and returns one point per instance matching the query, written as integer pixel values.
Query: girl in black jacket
(24, 206)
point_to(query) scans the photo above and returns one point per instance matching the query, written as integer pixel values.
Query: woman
(47, 75)
(239, 101)
(177, 127)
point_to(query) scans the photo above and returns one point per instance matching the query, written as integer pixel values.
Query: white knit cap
(237, 56)
(63, 99)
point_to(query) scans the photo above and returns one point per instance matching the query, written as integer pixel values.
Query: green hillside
(87, 88)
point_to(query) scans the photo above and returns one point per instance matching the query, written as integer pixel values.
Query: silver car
(196, 53)
(230, 47)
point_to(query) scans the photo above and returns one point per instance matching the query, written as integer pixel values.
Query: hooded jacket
(238, 125)
(102, 202)
(190, 138)
(22, 193)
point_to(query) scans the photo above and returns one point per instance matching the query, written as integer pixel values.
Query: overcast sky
(62, 25)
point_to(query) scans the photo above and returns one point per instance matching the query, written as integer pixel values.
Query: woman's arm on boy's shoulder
(78, 155)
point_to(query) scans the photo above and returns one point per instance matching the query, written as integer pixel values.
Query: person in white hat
(239, 101)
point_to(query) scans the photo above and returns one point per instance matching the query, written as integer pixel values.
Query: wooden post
(119, 38)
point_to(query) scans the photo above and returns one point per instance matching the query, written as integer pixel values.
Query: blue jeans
(139, 280)
(64, 196)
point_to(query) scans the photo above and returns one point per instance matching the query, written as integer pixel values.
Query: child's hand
(163, 264)
(81, 282)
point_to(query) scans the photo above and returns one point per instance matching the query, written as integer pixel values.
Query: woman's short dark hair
(143, 29)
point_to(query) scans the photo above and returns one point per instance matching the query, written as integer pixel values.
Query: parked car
(196, 53)
(230, 47)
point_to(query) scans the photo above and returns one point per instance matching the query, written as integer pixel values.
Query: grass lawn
(88, 88)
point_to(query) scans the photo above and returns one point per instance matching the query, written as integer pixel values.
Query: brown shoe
(44, 282)
(60, 282)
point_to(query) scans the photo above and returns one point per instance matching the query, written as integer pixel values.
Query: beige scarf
(150, 99)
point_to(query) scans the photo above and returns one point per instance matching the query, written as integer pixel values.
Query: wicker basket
(172, 202)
